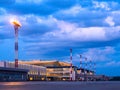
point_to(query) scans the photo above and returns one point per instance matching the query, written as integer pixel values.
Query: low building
(101, 78)
(34, 72)
(85, 74)
(13, 74)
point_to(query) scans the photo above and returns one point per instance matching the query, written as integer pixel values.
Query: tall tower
(71, 64)
(90, 63)
(85, 69)
(94, 68)
(80, 61)
(86, 65)
(16, 27)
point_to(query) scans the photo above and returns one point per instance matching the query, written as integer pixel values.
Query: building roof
(13, 69)
(61, 67)
(45, 63)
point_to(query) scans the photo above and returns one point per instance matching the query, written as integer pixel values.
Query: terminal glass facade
(7, 74)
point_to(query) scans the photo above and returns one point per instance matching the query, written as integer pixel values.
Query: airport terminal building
(38, 70)
(56, 70)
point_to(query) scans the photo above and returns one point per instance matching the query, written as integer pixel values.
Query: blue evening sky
(51, 27)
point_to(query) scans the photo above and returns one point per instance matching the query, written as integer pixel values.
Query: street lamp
(16, 26)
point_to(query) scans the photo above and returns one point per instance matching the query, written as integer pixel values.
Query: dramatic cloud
(51, 27)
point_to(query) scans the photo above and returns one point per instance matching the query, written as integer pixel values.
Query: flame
(15, 22)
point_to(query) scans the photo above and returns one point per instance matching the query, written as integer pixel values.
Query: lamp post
(16, 27)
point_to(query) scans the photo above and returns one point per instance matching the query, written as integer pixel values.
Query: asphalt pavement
(39, 85)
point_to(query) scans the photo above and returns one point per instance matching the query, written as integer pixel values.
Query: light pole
(16, 26)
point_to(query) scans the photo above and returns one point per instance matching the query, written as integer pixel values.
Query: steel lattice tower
(71, 64)
(16, 27)
(81, 61)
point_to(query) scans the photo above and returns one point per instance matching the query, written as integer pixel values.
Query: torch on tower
(17, 25)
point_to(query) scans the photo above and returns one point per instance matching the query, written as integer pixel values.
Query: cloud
(108, 1)
(99, 54)
(109, 20)
(39, 7)
(80, 16)
(65, 34)
(40, 27)
(5, 33)
(70, 35)
(2, 11)
(60, 3)
(115, 16)
(51, 27)
(75, 33)
(75, 10)
(101, 5)
(113, 63)
(29, 1)
(31, 24)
